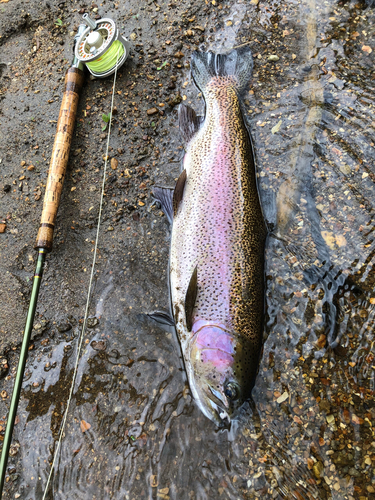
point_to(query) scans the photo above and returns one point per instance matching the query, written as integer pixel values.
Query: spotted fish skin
(218, 236)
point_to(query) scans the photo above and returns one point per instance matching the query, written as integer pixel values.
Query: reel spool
(101, 46)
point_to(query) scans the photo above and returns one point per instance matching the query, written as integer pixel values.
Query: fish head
(216, 372)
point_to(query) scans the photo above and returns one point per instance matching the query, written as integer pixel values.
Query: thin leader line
(61, 433)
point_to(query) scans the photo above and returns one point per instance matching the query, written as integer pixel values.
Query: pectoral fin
(190, 299)
(178, 191)
(162, 317)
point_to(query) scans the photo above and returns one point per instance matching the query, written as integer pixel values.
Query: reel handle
(60, 154)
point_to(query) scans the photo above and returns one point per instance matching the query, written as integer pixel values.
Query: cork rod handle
(60, 156)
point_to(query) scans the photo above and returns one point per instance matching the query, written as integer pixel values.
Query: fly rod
(100, 47)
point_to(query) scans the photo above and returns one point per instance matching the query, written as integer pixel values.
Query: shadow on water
(133, 430)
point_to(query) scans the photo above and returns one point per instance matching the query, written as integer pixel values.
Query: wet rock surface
(133, 430)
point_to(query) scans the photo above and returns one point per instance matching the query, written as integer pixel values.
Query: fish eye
(231, 391)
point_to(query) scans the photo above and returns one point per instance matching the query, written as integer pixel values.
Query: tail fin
(237, 63)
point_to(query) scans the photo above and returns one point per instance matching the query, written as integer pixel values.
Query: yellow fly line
(109, 59)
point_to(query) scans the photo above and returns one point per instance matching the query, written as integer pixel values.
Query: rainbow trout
(218, 238)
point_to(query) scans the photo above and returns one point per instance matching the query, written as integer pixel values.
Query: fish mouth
(212, 406)
(211, 401)
(217, 405)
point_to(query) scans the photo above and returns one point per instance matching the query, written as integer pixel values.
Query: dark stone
(343, 459)
(174, 100)
(100, 345)
(324, 405)
(354, 472)
(63, 325)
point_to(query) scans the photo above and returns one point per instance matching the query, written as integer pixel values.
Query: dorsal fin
(188, 122)
(178, 191)
(190, 298)
(165, 197)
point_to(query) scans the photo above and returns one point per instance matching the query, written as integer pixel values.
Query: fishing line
(61, 433)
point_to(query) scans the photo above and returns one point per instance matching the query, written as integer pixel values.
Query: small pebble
(85, 426)
(330, 419)
(283, 397)
(91, 322)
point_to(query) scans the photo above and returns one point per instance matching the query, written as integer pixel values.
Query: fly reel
(101, 47)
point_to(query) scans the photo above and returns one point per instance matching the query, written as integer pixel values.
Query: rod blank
(21, 366)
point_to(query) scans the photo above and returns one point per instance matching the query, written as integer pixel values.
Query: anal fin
(188, 122)
(165, 197)
(170, 198)
(162, 317)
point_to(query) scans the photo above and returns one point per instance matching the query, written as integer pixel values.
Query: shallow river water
(133, 430)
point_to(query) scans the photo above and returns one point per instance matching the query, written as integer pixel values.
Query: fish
(218, 235)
